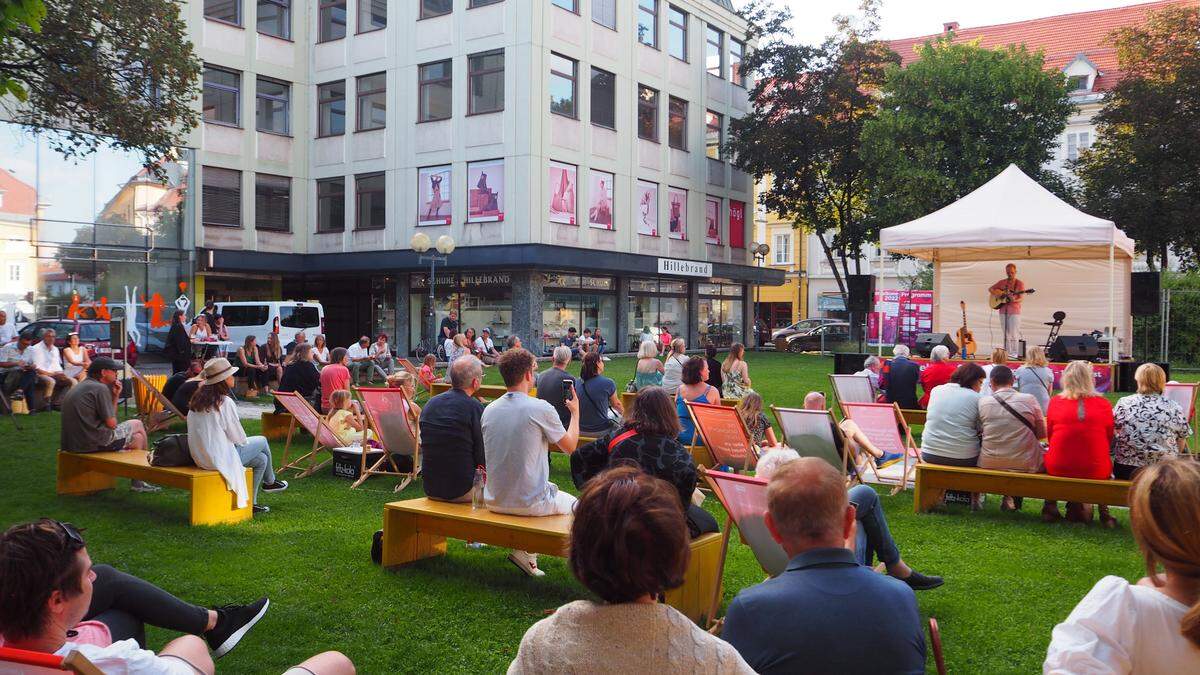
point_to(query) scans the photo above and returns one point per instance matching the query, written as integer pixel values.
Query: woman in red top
(936, 372)
(1079, 424)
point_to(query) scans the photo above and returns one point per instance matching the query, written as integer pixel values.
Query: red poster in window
(737, 224)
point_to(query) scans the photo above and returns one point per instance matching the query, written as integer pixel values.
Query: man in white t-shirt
(8, 330)
(518, 431)
(359, 361)
(486, 348)
(47, 364)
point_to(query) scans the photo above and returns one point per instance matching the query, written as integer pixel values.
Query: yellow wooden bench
(417, 528)
(934, 479)
(275, 426)
(628, 396)
(212, 502)
(912, 417)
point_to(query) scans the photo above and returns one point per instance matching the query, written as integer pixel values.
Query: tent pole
(878, 308)
(1112, 328)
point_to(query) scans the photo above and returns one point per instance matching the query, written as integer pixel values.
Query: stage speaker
(1144, 298)
(860, 289)
(927, 341)
(1074, 347)
(848, 363)
(1126, 369)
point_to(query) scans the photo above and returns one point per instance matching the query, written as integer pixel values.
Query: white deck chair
(852, 389)
(387, 416)
(811, 434)
(884, 425)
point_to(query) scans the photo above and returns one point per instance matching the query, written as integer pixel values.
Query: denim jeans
(872, 535)
(256, 454)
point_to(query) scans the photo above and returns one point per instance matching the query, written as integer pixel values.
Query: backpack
(171, 450)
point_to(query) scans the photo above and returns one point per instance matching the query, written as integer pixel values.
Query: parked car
(259, 318)
(94, 335)
(816, 339)
(801, 326)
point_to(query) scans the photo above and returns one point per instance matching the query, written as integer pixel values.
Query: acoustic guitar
(998, 301)
(966, 339)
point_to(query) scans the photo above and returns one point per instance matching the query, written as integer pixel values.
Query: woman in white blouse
(218, 442)
(75, 358)
(1152, 626)
(673, 366)
(320, 351)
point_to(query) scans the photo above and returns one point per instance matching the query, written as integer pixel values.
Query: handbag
(171, 450)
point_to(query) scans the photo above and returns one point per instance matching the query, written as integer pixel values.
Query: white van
(258, 319)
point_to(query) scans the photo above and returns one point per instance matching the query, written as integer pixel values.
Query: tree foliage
(123, 70)
(955, 118)
(1143, 172)
(810, 105)
(14, 14)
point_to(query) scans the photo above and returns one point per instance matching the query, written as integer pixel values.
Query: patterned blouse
(660, 456)
(758, 426)
(1148, 429)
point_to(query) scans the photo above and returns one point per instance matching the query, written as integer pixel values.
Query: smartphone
(568, 388)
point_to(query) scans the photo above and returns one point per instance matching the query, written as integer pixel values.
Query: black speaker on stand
(927, 341)
(860, 301)
(1144, 296)
(1073, 348)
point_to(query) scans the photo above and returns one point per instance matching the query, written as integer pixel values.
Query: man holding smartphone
(552, 385)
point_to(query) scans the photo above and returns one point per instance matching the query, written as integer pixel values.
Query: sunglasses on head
(71, 532)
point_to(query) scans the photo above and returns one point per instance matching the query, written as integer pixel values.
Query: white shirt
(322, 354)
(517, 432)
(11, 353)
(211, 439)
(648, 337)
(124, 657)
(1119, 627)
(377, 350)
(872, 375)
(453, 351)
(44, 358)
(485, 346)
(952, 426)
(355, 351)
(8, 332)
(673, 372)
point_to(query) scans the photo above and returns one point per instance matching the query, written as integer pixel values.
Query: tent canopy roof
(1010, 217)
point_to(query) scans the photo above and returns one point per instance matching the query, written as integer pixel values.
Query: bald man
(859, 442)
(826, 613)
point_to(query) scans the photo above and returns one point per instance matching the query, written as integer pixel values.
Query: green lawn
(1009, 577)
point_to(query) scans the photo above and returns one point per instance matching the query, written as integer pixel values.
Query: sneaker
(143, 486)
(277, 486)
(888, 459)
(261, 508)
(920, 582)
(527, 562)
(605, 358)
(477, 545)
(233, 622)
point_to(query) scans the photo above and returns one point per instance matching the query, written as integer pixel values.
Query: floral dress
(758, 426)
(734, 386)
(1148, 429)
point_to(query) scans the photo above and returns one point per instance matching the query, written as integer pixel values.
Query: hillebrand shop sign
(687, 268)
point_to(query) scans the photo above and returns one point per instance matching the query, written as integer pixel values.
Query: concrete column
(528, 292)
(749, 335)
(620, 342)
(693, 331)
(401, 341)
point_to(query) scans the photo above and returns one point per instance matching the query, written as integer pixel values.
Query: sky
(909, 18)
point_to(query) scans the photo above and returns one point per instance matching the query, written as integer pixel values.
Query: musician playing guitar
(1006, 296)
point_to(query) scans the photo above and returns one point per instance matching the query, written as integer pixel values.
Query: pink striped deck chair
(884, 425)
(852, 389)
(724, 434)
(388, 418)
(324, 438)
(1184, 393)
(814, 433)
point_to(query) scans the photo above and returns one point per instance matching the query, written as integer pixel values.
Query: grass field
(1009, 577)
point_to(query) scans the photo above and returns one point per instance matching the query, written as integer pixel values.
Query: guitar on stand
(966, 339)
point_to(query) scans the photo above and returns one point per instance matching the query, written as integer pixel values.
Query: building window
(331, 204)
(647, 19)
(713, 134)
(486, 78)
(569, 5)
(372, 15)
(562, 85)
(677, 113)
(275, 18)
(432, 8)
(737, 51)
(221, 193)
(272, 202)
(1077, 83)
(229, 11)
(604, 12)
(480, 3)
(714, 51)
(434, 82)
(371, 101)
(677, 32)
(647, 113)
(331, 109)
(14, 271)
(782, 248)
(331, 20)
(371, 199)
(604, 98)
(222, 95)
(1076, 143)
(272, 105)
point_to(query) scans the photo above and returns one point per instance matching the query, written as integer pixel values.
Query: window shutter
(222, 196)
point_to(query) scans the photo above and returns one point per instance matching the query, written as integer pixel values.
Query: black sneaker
(261, 508)
(920, 582)
(277, 486)
(233, 622)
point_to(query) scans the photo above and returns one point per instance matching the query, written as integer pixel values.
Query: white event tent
(1078, 264)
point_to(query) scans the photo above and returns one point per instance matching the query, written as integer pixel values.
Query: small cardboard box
(347, 462)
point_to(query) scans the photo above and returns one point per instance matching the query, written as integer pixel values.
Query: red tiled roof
(19, 197)
(1061, 38)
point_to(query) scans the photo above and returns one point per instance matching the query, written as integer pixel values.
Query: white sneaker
(527, 562)
(142, 486)
(605, 358)
(476, 545)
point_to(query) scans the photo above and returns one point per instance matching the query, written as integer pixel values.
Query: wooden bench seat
(415, 529)
(913, 417)
(934, 479)
(212, 501)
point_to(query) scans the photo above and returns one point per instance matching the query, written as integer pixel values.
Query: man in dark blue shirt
(451, 436)
(899, 379)
(825, 613)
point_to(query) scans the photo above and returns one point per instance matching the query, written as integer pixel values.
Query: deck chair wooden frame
(707, 434)
(385, 432)
(904, 441)
(846, 389)
(154, 421)
(1189, 391)
(835, 431)
(324, 437)
(935, 641)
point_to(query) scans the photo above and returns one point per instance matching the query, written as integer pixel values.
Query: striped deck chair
(324, 438)
(852, 389)
(885, 426)
(724, 434)
(1184, 393)
(815, 433)
(422, 390)
(388, 418)
(41, 662)
(154, 410)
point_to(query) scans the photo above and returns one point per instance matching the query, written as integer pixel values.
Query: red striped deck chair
(815, 433)
(41, 662)
(724, 434)
(324, 438)
(852, 389)
(388, 418)
(884, 425)
(422, 389)
(1184, 393)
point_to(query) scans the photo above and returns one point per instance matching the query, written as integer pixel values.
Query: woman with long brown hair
(735, 373)
(272, 355)
(251, 363)
(1152, 626)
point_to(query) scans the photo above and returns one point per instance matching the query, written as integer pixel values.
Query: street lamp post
(445, 246)
(760, 252)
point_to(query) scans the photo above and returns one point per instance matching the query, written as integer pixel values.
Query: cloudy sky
(908, 18)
